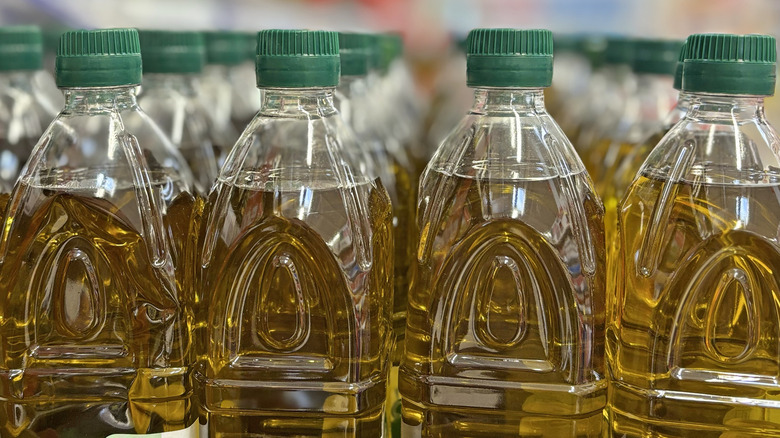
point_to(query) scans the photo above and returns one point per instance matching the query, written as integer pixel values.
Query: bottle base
(637, 412)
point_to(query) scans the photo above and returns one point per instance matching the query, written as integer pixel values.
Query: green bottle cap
(619, 50)
(564, 42)
(391, 47)
(730, 64)
(593, 48)
(678, 69)
(165, 51)
(98, 58)
(297, 58)
(250, 46)
(656, 56)
(21, 48)
(375, 51)
(225, 47)
(354, 50)
(509, 58)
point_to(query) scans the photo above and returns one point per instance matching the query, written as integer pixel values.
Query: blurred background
(428, 26)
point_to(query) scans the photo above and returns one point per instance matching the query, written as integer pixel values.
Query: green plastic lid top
(375, 53)
(297, 58)
(99, 58)
(678, 69)
(730, 64)
(225, 47)
(509, 58)
(564, 42)
(355, 51)
(619, 50)
(593, 48)
(656, 56)
(172, 52)
(21, 48)
(250, 46)
(391, 47)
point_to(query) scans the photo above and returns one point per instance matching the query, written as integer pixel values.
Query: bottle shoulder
(717, 150)
(508, 145)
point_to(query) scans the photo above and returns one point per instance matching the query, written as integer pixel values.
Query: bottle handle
(148, 204)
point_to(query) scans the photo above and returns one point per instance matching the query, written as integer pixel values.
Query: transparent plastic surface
(643, 113)
(598, 112)
(506, 309)
(95, 307)
(24, 114)
(693, 348)
(171, 101)
(298, 262)
(246, 98)
(216, 94)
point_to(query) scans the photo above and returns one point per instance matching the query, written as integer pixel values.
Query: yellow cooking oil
(284, 312)
(694, 347)
(89, 315)
(504, 338)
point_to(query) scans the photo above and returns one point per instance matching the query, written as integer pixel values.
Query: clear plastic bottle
(172, 63)
(225, 51)
(644, 126)
(24, 110)
(576, 113)
(572, 73)
(356, 106)
(298, 254)
(505, 327)
(605, 104)
(246, 97)
(95, 328)
(693, 348)
(654, 62)
(450, 96)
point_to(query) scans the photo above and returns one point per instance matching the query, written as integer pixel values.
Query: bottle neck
(183, 83)
(100, 99)
(297, 101)
(684, 100)
(497, 100)
(17, 79)
(721, 107)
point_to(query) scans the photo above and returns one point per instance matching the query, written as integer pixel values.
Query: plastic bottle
(224, 51)
(95, 321)
(615, 84)
(505, 325)
(246, 98)
(577, 113)
(450, 96)
(298, 254)
(654, 62)
(572, 73)
(172, 63)
(693, 346)
(644, 127)
(24, 111)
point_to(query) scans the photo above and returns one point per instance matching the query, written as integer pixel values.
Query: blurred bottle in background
(572, 73)
(612, 85)
(505, 327)
(172, 63)
(246, 97)
(25, 108)
(225, 52)
(693, 344)
(653, 64)
(96, 312)
(299, 258)
(450, 98)
(576, 111)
